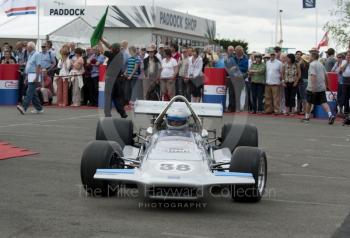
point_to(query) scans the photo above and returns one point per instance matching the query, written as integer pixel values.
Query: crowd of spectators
(273, 83)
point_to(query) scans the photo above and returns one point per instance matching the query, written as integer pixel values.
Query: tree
(339, 26)
(227, 42)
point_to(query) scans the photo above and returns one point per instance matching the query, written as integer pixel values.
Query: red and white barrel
(332, 81)
(215, 86)
(9, 75)
(101, 86)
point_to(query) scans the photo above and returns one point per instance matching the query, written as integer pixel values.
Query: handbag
(198, 81)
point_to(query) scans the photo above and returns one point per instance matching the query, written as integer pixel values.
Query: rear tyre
(100, 155)
(234, 135)
(115, 129)
(249, 160)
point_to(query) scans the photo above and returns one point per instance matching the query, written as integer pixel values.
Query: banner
(309, 3)
(19, 7)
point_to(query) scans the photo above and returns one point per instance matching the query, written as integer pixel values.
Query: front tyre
(100, 155)
(249, 160)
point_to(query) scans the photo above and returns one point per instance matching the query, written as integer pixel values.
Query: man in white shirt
(272, 88)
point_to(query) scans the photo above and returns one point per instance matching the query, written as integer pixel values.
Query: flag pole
(38, 13)
(276, 23)
(316, 25)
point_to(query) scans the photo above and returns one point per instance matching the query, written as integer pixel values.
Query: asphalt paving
(308, 189)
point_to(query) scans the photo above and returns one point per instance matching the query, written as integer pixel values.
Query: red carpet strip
(8, 151)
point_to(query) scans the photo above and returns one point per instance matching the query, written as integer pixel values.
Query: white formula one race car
(175, 158)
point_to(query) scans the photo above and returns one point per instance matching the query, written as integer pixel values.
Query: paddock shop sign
(180, 22)
(174, 20)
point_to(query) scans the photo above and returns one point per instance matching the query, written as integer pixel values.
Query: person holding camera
(7, 59)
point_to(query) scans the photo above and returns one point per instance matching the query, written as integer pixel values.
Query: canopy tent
(59, 30)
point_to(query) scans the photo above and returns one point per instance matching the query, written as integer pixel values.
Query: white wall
(138, 36)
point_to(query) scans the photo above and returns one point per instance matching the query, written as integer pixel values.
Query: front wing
(135, 176)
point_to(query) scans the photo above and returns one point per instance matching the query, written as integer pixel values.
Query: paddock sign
(65, 11)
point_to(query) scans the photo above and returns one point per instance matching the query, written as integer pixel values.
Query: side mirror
(205, 133)
(149, 131)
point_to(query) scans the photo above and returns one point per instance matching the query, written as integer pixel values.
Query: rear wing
(157, 107)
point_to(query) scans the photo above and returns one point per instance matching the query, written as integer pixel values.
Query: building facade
(141, 25)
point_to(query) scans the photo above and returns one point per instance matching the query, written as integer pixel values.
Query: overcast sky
(250, 20)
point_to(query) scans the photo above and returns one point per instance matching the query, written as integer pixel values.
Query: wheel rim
(262, 176)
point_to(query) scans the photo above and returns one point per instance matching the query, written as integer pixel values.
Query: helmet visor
(176, 121)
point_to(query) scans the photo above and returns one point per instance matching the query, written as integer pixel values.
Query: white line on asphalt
(58, 126)
(314, 176)
(307, 203)
(19, 135)
(333, 137)
(311, 139)
(326, 158)
(54, 120)
(339, 145)
(305, 165)
(181, 235)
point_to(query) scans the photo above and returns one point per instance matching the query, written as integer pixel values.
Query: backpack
(153, 93)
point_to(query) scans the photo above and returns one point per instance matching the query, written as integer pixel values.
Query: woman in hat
(152, 69)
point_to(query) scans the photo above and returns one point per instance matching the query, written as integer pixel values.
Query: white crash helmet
(177, 119)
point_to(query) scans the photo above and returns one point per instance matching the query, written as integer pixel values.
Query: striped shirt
(132, 62)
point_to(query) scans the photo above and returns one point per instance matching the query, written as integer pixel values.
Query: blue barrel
(321, 114)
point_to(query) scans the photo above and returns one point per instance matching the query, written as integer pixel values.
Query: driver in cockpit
(177, 119)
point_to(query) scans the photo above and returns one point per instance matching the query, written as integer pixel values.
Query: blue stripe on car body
(235, 174)
(115, 171)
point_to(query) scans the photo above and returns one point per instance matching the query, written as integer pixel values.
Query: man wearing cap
(272, 87)
(316, 88)
(113, 80)
(152, 69)
(331, 60)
